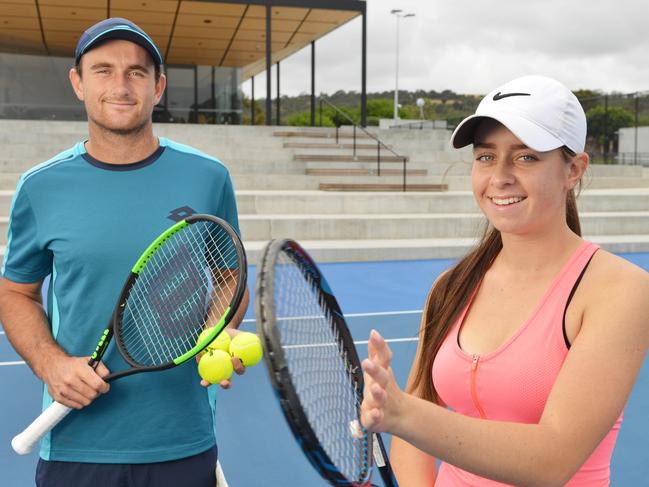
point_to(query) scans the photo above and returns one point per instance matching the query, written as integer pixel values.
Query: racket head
(192, 277)
(307, 343)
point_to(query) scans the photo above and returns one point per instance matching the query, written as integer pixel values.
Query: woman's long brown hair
(451, 293)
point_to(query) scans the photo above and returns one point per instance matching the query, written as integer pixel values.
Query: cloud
(471, 46)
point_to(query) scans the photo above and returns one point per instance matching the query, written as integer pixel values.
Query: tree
(603, 124)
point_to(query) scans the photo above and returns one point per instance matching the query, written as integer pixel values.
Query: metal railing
(379, 142)
(632, 158)
(421, 125)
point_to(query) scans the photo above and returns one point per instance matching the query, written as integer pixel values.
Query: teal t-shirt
(85, 223)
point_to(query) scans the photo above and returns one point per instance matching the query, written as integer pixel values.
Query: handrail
(379, 142)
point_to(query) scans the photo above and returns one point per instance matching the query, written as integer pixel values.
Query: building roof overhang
(228, 33)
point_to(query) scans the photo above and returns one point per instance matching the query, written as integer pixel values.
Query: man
(84, 217)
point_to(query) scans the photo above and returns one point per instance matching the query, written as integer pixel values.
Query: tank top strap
(564, 283)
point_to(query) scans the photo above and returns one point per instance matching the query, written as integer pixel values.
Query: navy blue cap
(116, 28)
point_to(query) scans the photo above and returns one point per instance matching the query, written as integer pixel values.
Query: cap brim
(529, 133)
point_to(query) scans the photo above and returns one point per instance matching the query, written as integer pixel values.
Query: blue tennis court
(255, 444)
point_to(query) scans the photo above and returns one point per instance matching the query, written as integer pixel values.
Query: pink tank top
(513, 382)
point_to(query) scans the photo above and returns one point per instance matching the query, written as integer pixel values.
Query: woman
(533, 341)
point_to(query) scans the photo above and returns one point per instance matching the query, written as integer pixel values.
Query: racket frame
(118, 312)
(277, 365)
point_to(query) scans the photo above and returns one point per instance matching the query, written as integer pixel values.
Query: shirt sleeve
(25, 261)
(228, 206)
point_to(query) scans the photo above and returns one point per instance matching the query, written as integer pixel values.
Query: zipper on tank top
(474, 391)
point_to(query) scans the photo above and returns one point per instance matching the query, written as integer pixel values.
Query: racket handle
(25, 441)
(220, 478)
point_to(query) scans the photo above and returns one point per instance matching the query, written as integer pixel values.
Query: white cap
(540, 111)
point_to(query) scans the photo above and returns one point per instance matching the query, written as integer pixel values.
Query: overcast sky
(472, 46)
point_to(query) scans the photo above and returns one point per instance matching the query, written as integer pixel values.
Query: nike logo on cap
(500, 96)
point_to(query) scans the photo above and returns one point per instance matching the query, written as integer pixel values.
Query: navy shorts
(196, 471)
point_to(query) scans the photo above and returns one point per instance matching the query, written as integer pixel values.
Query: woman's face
(520, 191)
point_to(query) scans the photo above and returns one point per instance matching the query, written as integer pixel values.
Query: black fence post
(635, 141)
(378, 158)
(606, 140)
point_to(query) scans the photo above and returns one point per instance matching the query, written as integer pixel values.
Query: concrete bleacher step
(320, 134)
(9, 180)
(382, 187)
(308, 201)
(461, 183)
(291, 182)
(332, 145)
(320, 171)
(423, 248)
(279, 195)
(347, 158)
(414, 249)
(374, 167)
(407, 225)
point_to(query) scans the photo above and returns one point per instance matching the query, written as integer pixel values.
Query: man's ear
(160, 86)
(76, 82)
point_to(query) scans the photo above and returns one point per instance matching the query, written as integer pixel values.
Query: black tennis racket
(314, 367)
(191, 277)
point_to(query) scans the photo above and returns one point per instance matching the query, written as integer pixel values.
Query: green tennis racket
(191, 277)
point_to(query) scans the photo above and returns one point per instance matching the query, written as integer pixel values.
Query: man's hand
(238, 367)
(226, 384)
(72, 382)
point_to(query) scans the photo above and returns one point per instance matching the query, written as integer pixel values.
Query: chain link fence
(618, 127)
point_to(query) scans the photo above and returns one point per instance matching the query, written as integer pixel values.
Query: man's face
(118, 86)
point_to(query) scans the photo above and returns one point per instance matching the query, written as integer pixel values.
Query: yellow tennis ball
(221, 342)
(215, 366)
(247, 347)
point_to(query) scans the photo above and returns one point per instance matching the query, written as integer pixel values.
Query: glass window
(38, 88)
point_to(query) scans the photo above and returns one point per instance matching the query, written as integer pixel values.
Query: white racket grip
(48, 419)
(220, 478)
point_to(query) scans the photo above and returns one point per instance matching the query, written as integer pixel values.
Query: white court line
(361, 315)
(390, 340)
(351, 315)
(310, 345)
(357, 342)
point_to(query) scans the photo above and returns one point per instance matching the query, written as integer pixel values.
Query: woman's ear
(577, 168)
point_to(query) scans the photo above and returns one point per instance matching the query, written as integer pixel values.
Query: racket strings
(321, 372)
(185, 287)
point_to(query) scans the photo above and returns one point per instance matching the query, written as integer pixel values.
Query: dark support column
(213, 104)
(277, 119)
(268, 66)
(606, 128)
(252, 101)
(635, 140)
(195, 94)
(364, 73)
(312, 83)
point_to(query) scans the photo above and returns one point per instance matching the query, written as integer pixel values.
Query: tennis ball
(215, 366)
(247, 347)
(221, 342)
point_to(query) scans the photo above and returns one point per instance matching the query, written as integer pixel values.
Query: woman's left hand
(382, 398)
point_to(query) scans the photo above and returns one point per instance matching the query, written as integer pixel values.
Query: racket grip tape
(25, 441)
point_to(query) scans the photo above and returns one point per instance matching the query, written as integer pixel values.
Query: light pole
(398, 13)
